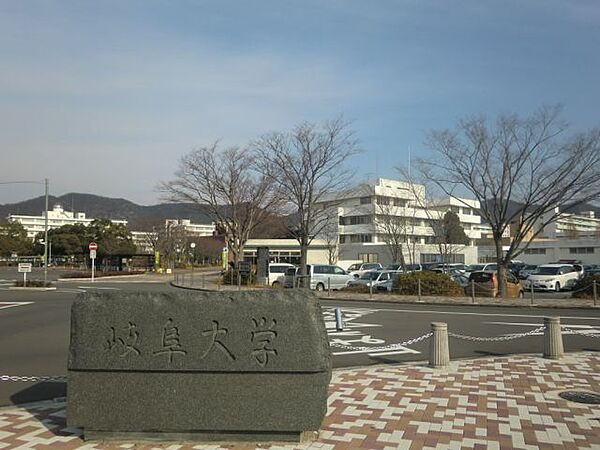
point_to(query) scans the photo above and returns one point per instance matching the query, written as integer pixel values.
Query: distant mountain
(96, 207)
(585, 207)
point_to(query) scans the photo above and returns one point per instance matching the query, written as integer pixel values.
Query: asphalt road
(34, 332)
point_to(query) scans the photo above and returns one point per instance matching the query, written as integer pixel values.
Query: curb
(425, 302)
(486, 305)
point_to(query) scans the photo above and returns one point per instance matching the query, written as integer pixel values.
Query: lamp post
(192, 246)
(46, 185)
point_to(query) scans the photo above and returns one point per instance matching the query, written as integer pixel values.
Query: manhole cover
(589, 398)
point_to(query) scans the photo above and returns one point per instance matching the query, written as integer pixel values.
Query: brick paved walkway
(497, 403)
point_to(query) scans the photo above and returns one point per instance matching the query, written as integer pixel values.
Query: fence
(439, 349)
(439, 353)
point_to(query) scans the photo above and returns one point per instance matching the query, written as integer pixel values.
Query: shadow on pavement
(50, 415)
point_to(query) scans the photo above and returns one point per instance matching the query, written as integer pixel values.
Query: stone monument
(202, 366)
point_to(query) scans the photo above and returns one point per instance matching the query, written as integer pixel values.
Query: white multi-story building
(572, 226)
(192, 229)
(57, 218)
(362, 215)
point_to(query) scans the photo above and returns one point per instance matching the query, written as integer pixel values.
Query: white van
(277, 270)
(552, 277)
(325, 275)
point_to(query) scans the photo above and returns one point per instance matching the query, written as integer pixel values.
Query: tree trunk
(501, 266)
(303, 261)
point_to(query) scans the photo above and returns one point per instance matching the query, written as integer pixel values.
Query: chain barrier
(32, 378)
(387, 347)
(581, 333)
(498, 338)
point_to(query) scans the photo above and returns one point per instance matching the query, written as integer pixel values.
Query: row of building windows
(355, 238)
(355, 220)
(572, 251)
(581, 250)
(535, 251)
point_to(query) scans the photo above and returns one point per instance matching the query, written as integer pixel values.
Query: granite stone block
(193, 362)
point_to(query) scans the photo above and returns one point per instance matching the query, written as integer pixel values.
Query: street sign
(244, 266)
(92, 254)
(24, 267)
(93, 246)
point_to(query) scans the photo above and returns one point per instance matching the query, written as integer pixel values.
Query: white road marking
(4, 305)
(98, 287)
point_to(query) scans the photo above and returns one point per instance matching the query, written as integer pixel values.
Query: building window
(383, 200)
(365, 200)
(359, 238)
(369, 257)
(535, 251)
(581, 250)
(399, 202)
(355, 220)
(342, 238)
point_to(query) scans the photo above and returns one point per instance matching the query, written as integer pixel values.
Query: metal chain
(387, 347)
(581, 333)
(498, 338)
(32, 378)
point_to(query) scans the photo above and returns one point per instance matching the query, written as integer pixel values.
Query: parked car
(527, 270)
(276, 270)
(552, 277)
(481, 267)
(456, 267)
(356, 270)
(485, 284)
(460, 279)
(413, 267)
(395, 267)
(324, 275)
(372, 278)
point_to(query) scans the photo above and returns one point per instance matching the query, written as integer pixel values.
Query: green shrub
(359, 289)
(230, 277)
(585, 289)
(100, 274)
(432, 284)
(32, 283)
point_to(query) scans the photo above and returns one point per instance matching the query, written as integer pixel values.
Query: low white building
(57, 218)
(363, 212)
(192, 229)
(287, 251)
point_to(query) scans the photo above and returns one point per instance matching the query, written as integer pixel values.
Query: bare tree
(520, 171)
(237, 197)
(331, 235)
(394, 224)
(308, 166)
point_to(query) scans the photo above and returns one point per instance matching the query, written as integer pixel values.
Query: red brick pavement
(498, 403)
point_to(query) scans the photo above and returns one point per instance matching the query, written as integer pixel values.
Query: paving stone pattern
(495, 403)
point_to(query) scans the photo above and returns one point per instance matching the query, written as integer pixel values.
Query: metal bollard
(329, 287)
(419, 288)
(473, 291)
(553, 344)
(339, 320)
(371, 289)
(439, 353)
(595, 291)
(531, 303)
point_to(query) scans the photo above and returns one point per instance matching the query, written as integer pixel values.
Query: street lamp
(46, 184)
(193, 246)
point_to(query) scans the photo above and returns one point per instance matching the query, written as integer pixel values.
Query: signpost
(24, 268)
(93, 247)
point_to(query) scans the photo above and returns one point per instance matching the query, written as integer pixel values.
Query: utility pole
(46, 236)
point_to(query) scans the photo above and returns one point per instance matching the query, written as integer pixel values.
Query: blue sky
(104, 97)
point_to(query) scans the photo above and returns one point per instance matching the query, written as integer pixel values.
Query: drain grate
(589, 398)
